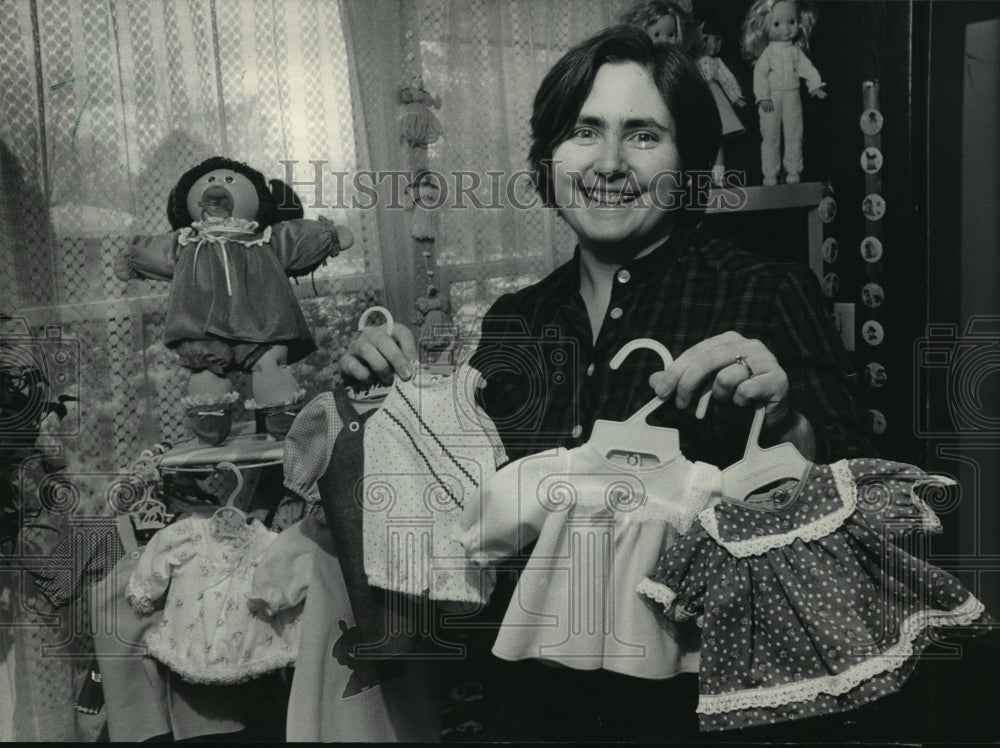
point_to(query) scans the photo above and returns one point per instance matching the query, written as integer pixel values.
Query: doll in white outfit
(776, 35)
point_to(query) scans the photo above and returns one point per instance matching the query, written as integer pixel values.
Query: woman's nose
(609, 158)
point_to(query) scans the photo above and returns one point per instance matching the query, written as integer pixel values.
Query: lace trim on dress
(658, 592)
(219, 675)
(139, 596)
(841, 683)
(815, 530)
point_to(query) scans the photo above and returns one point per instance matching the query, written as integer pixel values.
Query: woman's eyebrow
(633, 123)
(639, 122)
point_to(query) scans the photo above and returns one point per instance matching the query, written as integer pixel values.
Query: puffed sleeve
(170, 548)
(891, 495)
(514, 508)
(676, 588)
(302, 244)
(150, 257)
(282, 577)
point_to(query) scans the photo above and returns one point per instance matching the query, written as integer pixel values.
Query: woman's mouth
(603, 197)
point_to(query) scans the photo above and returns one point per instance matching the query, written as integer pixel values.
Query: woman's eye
(211, 179)
(584, 132)
(644, 139)
(229, 179)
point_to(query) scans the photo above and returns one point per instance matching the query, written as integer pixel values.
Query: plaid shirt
(547, 382)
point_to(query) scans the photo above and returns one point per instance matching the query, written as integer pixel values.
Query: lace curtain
(106, 103)
(485, 59)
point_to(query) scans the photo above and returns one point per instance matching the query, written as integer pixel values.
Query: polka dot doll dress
(806, 605)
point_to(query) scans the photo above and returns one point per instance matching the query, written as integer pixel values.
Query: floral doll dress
(208, 632)
(806, 605)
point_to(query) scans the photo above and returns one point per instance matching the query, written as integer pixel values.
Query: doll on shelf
(666, 22)
(231, 306)
(724, 87)
(776, 36)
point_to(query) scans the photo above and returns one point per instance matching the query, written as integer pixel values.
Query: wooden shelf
(777, 197)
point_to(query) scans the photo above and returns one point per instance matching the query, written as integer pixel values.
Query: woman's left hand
(738, 370)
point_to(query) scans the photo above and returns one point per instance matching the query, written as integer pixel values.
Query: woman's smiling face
(617, 175)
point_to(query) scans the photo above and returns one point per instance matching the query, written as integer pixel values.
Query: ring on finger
(741, 360)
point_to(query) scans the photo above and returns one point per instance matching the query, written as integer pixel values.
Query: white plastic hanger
(634, 438)
(149, 513)
(761, 467)
(228, 521)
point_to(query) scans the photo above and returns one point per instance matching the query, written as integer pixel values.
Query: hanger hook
(653, 345)
(239, 480)
(362, 323)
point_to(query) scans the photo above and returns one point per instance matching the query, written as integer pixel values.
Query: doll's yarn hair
(755, 39)
(646, 13)
(276, 203)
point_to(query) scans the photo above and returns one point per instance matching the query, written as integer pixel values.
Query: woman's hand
(766, 105)
(738, 369)
(375, 355)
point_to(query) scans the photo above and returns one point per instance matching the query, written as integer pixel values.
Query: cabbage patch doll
(776, 37)
(235, 241)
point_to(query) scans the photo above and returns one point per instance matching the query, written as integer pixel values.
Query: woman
(621, 129)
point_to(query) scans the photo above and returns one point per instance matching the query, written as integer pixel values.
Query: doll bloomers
(231, 306)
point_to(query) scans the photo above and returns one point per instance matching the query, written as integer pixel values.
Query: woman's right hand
(376, 356)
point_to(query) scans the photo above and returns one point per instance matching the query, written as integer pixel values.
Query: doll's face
(711, 44)
(223, 194)
(783, 22)
(663, 30)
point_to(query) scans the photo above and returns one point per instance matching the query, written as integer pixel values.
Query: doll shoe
(276, 420)
(212, 426)
(792, 178)
(211, 421)
(769, 181)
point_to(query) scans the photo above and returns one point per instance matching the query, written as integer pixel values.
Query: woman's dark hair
(279, 203)
(567, 85)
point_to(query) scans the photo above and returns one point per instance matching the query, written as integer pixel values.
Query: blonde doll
(666, 22)
(776, 35)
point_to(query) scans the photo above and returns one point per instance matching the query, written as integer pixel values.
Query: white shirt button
(590, 370)
(624, 276)
(577, 430)
(135, 554)
(616, 313)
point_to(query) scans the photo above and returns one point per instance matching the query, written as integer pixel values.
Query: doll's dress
(209, 632)
(725, 89)
(806, 606)
(230, 280)
(598, 528)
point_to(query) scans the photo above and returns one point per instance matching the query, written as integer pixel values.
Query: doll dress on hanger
(428, 452)
(208, 632)
(806, 607)
(599, 528)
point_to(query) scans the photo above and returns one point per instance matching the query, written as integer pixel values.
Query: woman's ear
(287, 205)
